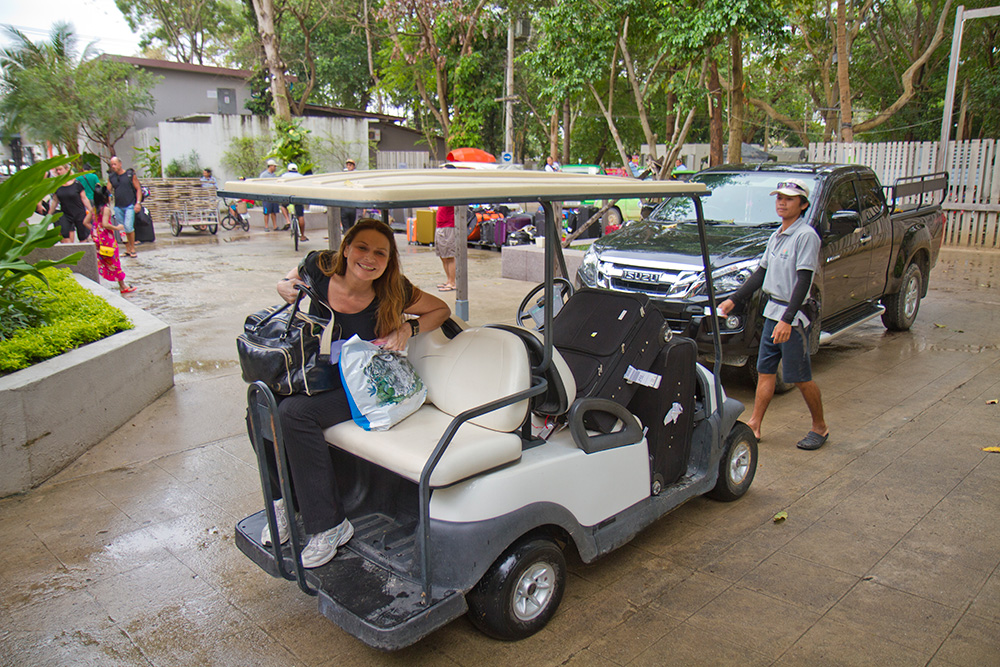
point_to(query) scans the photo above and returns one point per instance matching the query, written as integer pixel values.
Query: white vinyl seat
(476, 367)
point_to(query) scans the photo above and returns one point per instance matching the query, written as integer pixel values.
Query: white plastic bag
(382, 387)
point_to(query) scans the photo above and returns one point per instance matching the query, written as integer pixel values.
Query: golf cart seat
(561, 391)
(477, 366)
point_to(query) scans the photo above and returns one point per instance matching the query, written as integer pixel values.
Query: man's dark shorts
(270, 208)
(793, 353)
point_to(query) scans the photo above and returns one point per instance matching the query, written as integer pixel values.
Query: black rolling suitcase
(605, 338)
(144, 227)
(667, 411)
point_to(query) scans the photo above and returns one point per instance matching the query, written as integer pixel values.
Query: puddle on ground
(198, 365)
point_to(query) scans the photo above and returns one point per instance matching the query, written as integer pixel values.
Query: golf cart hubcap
(739, 464)
(910, 300)
(534, 591)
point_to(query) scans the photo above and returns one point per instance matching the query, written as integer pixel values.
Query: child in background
(104, 235)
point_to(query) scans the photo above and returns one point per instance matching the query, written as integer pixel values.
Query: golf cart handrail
(457, 187)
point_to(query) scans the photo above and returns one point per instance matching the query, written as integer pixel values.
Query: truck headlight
(588, 268)
(729, 279)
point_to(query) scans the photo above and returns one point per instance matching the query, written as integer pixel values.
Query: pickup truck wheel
(738, 465)
(901, 308)
(613, 217)
(520, 592)
(780, 386)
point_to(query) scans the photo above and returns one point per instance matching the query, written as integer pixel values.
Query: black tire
(245, 222)
(228, 222)
(521, 591)
(613, 216)
(780, 386)
(175, 224)
(738, 464)
(295, 234)
(901, 308)
(213, 229)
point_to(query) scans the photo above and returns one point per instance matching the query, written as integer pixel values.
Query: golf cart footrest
(379, 607)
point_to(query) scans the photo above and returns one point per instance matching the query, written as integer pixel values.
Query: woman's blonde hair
(390, 287)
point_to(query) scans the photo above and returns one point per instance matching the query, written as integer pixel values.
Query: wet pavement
(890, 553)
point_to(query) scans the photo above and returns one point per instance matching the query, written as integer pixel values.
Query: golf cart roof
(404, 188)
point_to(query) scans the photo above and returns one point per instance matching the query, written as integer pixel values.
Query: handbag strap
(326, 338)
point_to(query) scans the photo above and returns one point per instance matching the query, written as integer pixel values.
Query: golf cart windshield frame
(455, 187)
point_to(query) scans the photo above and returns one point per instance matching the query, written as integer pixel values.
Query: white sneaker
(282, 520)
(322, 547)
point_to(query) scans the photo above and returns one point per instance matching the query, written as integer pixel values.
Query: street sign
(506, 157)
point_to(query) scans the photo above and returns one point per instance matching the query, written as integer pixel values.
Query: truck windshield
(742, 199)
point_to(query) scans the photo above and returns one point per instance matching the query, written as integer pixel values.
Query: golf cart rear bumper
(370, 602)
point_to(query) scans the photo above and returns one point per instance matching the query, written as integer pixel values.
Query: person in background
(786, 273)
(207, 179)
(77, 212)
(89, 181)
(270, 207)
(128, 200)
(300, 209)
(363, 284)
(445, 245)
(551, 164)
(104, 235)
(348, 215)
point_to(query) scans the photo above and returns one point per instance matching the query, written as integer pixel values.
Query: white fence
(973, 203)
(403, 160)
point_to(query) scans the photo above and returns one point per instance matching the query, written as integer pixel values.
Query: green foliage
(19, 195)
(190, 31)
(185, 167)
(291, 144)
(246, 155)
(70, 316)
(110, 96)
(150, 159)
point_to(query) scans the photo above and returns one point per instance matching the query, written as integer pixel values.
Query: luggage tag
(645, 378)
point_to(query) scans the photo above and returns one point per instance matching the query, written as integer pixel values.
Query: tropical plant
(19, 195)
(291, 144)
(246, 155)
(150, 159)
(188, 166)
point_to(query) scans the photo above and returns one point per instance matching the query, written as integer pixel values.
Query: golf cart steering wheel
(533, 317)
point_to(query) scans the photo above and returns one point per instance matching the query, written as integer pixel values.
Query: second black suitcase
(602, 335)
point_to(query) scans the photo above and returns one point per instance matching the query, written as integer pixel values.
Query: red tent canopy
(469, 155)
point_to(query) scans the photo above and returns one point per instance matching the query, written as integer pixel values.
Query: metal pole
(508, 106)
(949, 95)
(333, 227)
(461, 263)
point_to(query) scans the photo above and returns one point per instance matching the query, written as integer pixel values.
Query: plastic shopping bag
(382, 386)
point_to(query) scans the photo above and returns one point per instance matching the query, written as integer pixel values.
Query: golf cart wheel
(521, 591)
(175, 224)
(738, 464)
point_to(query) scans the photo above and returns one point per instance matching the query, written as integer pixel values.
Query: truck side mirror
(844, 222)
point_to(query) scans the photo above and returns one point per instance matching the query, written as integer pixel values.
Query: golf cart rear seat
(477, 366)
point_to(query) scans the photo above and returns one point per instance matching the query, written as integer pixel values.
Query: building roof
(321, 110)
(151, 63)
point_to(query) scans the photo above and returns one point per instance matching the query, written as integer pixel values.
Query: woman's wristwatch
(414, 327)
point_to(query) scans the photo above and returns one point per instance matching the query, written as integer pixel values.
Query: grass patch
(64, 317)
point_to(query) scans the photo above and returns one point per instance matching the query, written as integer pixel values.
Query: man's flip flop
(813, 440)
(446, 288)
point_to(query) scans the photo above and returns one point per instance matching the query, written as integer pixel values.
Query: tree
(192, 31)
(264, 11)
(111, 94)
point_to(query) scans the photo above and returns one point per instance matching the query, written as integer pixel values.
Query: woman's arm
(431, 313)
(286, 286)
(90, 209)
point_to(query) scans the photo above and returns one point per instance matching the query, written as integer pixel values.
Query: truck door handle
(865, 239)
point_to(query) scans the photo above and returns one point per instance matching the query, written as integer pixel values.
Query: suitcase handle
(591, 444)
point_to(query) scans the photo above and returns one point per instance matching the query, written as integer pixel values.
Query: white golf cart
(467, 505)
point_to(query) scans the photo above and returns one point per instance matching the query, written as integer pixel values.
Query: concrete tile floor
(890, 553)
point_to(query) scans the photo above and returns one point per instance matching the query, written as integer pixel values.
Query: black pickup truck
(876, 257)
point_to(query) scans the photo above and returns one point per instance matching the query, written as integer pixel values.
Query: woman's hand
(286, 289)
(396, 341)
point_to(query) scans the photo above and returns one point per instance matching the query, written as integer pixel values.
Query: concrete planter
(527, 262)
(54, 411)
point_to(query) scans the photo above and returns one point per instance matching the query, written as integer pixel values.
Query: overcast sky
(92, 19)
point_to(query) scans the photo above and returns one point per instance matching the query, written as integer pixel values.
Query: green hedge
(72, 316)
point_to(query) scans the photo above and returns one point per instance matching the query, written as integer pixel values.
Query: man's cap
(272, 162)
(792, 187)
(349, 161)
(292, 166)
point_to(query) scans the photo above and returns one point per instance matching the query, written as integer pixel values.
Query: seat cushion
(405, 448)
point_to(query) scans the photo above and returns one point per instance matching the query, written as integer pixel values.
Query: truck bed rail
(909, 192)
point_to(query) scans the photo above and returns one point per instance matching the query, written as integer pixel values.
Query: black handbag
(289, 349)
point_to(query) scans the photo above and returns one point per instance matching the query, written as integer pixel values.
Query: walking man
(270, 207)
(786, 272)
(128, 200)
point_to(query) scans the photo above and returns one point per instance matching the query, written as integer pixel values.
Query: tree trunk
(715, 112)
(736, 104)
(554, 134)
(843, 76)
(567, 129)
(279, 87)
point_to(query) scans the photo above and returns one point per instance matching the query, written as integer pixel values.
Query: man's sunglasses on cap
(788, 185)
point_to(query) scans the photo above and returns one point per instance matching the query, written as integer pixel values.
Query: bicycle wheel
(245, 221)
(228, 222)
(295, 234)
